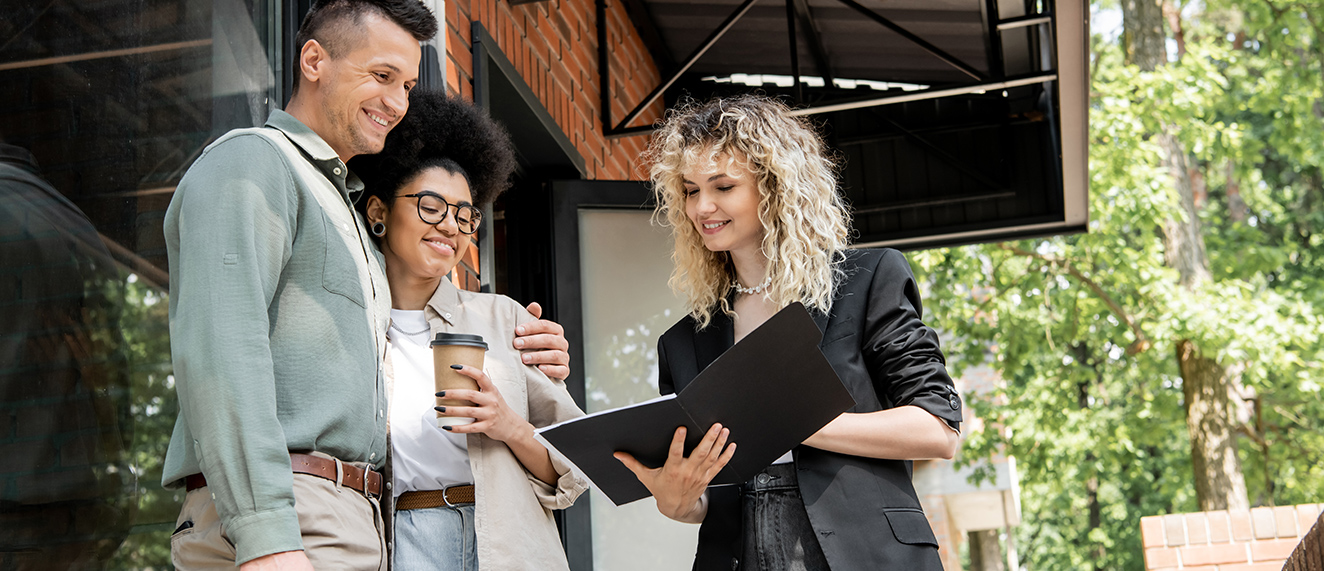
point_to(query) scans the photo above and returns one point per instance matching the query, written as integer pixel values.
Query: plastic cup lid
(459, 339)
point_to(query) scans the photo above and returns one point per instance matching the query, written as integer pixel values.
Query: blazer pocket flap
(911, 527)
(838, 331)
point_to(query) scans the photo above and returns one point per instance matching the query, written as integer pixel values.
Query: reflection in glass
(625, 262)
(113, 100)
(63, 379)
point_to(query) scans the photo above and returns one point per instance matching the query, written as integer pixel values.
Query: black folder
(773, 389)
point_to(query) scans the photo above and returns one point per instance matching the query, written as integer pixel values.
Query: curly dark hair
(439, 131)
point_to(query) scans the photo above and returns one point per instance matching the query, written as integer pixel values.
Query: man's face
(366, 91)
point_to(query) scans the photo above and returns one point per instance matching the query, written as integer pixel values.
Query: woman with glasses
(465, 494)
(751, 195)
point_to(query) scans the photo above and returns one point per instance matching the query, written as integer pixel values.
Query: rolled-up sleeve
(902, 353)
(234, 221)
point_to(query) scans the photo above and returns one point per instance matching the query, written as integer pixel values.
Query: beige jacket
(513, 520)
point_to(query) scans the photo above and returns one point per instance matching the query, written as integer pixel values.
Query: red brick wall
(554, 46)
(1260, 539)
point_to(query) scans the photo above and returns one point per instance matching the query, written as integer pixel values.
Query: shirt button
(388, 485)
(372, 456)
(955, 401)
(448, 316)
(735, 564)
(336, 170)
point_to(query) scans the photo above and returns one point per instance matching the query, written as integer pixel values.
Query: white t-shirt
(424, 457)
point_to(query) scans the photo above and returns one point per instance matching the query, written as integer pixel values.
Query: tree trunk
(1095, 513)
(1219, 484)
(1172, 13)
(1142, 27)
(1183, 240)
(1236, 206)
(985, 552)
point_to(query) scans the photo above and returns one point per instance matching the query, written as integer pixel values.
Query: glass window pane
(624, 263)
(103, 106)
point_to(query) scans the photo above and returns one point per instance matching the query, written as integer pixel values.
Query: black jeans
(778, 536)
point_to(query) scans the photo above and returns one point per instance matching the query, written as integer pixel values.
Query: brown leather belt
(317, 466)
(452, 496)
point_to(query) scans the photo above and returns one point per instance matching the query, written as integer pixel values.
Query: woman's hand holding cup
(492, 416)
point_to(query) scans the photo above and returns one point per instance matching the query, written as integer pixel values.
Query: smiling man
(279, 308)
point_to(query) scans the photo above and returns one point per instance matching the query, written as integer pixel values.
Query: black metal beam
(927, 94)
(926, 46)
(604, 64)
(795, 51)
(886, 100)
(627, 132)
(815, 42)
(689, 62)
(993, 39)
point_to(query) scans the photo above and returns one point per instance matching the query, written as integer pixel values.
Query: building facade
(106, 104)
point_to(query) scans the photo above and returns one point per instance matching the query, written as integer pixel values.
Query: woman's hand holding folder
(679, 484)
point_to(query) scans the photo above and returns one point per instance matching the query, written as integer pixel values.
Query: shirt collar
(302, 135)
(316, 149)
(445, 302)
(19, 157)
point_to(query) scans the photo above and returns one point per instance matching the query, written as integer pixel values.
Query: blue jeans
(778, 535)
(440, 539)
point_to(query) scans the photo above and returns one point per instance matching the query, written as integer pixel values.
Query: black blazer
(865, 511)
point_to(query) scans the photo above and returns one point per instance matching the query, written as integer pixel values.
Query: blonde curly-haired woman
(750, 194)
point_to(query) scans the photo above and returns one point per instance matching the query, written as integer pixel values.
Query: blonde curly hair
(804, 219)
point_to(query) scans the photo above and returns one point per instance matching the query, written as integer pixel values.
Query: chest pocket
(509, 381)
(341, 270)
(844, 329)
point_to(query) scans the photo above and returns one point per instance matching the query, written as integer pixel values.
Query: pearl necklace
(752, 290)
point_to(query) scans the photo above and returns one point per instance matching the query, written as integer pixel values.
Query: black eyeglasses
(433, 209)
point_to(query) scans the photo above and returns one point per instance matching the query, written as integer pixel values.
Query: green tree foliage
(153, 406)
(1084, 328)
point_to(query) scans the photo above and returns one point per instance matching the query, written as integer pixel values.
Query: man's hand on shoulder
(283, 561)
(543, 344)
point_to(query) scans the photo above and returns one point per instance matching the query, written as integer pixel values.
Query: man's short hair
(332, 23)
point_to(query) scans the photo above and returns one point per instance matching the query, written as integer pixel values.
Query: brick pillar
(1258, 539)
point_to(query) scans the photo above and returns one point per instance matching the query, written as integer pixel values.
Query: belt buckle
(366, 471)
(446, 496)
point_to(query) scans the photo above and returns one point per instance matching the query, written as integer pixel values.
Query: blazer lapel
(821, 320)
(710, 342)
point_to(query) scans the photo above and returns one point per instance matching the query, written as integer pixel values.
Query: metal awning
(961, 120)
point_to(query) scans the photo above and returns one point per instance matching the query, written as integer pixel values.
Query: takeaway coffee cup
(456, 349)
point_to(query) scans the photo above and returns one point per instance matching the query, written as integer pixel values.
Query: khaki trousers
(341, 529)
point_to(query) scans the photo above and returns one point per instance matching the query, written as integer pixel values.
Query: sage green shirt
(278, 316)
